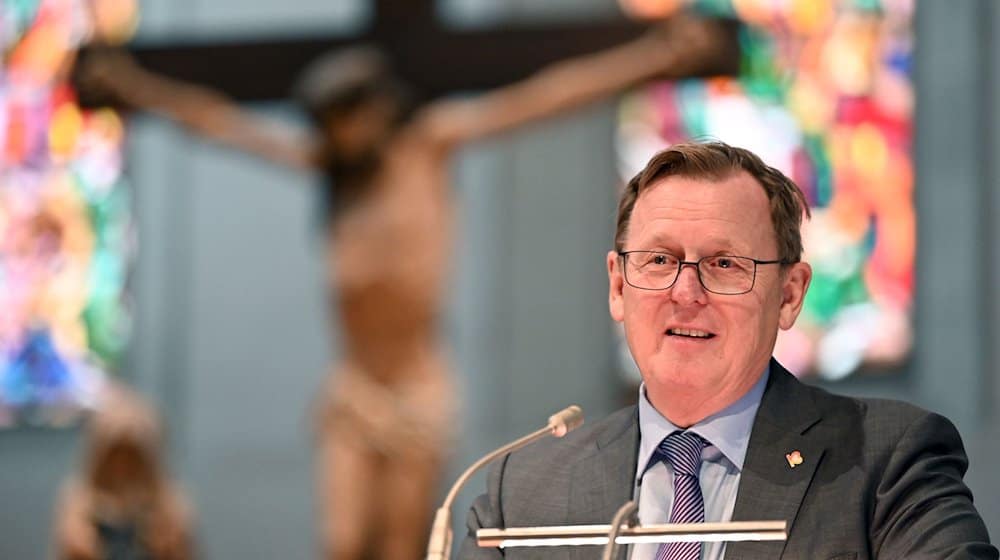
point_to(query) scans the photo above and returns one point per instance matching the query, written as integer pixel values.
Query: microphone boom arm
(560, 423)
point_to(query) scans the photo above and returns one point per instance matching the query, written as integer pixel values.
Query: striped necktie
(683, 450)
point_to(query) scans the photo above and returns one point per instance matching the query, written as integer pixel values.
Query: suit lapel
(604, 481)
(770, 487)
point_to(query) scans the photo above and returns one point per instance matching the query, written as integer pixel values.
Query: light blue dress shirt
(728, 433)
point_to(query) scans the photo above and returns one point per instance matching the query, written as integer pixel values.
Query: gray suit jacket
(878, 479)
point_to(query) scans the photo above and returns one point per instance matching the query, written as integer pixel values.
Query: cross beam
(434, 59)
(434, 62)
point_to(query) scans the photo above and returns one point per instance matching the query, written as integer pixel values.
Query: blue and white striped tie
(683, 450)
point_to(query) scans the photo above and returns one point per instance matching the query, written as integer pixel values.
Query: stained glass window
(65, 219)
(825, 94)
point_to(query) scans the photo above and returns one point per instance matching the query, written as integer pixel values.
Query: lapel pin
(794, 458)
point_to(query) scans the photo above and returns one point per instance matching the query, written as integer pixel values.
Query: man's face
(691, 219)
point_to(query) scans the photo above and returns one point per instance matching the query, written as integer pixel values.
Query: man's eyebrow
(659, 241)
(714, 245)
(721, 245)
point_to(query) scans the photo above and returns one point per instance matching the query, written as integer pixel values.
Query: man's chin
(687, 379)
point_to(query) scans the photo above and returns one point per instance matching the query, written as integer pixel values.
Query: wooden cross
(434, 59)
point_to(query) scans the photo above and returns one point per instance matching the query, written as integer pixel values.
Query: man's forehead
(734, 183)
(735, 208)
(737, 194)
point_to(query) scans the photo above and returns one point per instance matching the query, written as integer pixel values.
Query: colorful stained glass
(65, 217)
(825, 94)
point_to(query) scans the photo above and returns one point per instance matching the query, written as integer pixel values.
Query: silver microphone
(560, 424)
(566, 420)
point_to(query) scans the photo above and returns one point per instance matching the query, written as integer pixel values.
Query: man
(706, 268)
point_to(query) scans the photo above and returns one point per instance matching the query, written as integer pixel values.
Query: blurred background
(203, 281)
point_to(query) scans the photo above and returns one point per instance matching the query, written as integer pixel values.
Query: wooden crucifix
(384, 421)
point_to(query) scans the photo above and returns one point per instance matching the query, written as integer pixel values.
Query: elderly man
(706, 268)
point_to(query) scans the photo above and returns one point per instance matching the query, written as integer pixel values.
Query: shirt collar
(727, 430)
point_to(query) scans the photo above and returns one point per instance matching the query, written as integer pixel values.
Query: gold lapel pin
(794, 458)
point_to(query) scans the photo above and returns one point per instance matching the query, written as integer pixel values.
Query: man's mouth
(690, 333)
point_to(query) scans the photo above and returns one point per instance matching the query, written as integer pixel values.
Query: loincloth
(411, 417)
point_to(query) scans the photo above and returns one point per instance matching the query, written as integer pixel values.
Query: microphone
(559, 424)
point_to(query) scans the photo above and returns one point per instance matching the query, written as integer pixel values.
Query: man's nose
(688, 289)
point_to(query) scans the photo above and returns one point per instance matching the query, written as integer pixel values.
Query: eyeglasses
(721, 274)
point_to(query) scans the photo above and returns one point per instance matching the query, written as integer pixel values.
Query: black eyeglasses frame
(697, 268)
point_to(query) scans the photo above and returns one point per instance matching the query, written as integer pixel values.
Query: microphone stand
(560, 423)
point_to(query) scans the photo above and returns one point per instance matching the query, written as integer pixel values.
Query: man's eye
(660, 259)
(724, 263)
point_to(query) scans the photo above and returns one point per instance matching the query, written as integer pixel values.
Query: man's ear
(793, 293)
(616, 283)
